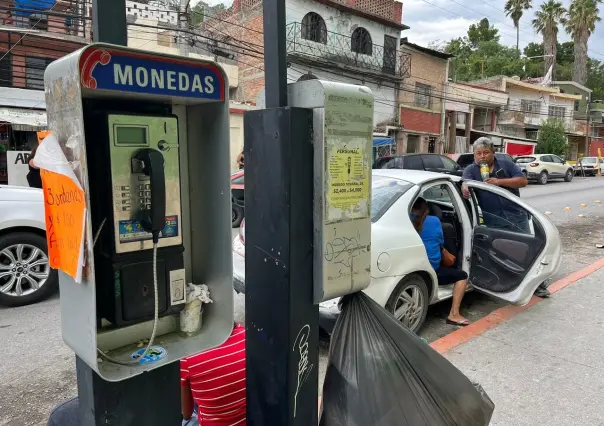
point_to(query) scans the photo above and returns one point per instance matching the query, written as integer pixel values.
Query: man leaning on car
(503, 173)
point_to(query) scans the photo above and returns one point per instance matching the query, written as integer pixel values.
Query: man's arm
(186, 400)
(517, 179)
(467, 175)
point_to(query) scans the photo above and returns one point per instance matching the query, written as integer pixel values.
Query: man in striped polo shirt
(213, 382)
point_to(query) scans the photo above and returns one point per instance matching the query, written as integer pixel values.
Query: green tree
(483, 31)
(581, 23)
(595, 78)
(515, 9)
(552, 138)
(197, 14)
(546, 22)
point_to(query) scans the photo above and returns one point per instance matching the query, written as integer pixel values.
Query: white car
(25, 274)
(505, 263)
(545, 167)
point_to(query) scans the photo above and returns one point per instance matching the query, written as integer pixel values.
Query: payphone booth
(147, 136)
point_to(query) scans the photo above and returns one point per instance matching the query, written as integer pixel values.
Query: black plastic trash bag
(382, 374)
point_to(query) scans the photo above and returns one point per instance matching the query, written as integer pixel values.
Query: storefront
(22, 114)
(18, 137)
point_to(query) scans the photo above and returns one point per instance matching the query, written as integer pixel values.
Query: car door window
(394, 163)
(439, 193)
(449, 164)
(413, 162)
(432, 162)
(546, 159)
(556, 159)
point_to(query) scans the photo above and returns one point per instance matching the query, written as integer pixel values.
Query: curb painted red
(462, 335)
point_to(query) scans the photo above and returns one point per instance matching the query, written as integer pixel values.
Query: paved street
(37, 369)
(544, 366)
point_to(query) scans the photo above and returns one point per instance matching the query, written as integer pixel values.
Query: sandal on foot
(462, 323)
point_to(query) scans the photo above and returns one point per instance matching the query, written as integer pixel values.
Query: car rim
(543, 178)
(23, 269)
(409, 307)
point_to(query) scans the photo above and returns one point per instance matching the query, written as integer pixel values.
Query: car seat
(449, 231)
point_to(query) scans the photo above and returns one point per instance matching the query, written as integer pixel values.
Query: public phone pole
(152, 398)
(281, 319)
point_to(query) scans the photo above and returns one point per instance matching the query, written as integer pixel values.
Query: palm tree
(515, 9)
(546, 22)
(580, 23)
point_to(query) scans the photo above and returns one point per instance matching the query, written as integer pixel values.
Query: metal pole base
(152, 398)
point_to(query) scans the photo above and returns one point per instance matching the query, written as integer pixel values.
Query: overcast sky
(433, 20)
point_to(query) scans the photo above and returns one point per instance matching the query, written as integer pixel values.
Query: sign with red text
(64, 208)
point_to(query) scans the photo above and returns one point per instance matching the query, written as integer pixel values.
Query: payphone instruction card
(64, 209)
(132, 230)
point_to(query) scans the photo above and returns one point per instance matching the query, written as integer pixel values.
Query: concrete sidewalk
(543, 365)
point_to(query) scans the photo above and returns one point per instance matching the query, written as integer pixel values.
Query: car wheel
(25, 273)
(409, 302)
(569, 175)
(542, 178)
(236, 215)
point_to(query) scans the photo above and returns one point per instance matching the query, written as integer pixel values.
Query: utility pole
(183, 23)
(281, 319)
(109, 22)
(152, 398)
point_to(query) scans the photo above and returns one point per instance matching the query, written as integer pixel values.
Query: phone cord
(155, 317)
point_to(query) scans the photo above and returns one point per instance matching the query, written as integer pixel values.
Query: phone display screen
(131, 135)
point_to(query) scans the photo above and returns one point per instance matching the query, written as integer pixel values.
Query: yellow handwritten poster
(349, 179)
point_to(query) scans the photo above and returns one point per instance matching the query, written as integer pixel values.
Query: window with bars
(556, 112)
(6, 71)
(389, 54)
(313, 28)
(423, 95)
(34, 72)
(361, 41)
(530, 107)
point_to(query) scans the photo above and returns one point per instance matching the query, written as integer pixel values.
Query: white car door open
(513, 251)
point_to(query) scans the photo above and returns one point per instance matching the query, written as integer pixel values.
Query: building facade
(530, 105)
(421, 98)
(472, 111)
(33, 33)
(349, 41)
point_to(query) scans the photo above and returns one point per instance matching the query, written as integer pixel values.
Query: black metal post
(109, 22)
(281, 320)
(282, 323)
(275, 53)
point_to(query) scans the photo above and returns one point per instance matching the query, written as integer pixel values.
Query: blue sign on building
(110, 69)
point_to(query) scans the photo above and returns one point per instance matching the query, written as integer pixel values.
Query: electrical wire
(155, 317)
(24, 35)
(156, 303)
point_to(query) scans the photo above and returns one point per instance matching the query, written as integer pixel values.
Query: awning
(383, 141)
(28, 7)
(24, 119)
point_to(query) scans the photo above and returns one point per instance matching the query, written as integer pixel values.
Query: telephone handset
(151, 162)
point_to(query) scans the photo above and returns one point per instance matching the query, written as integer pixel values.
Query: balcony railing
(47, 17)
(597, 106)
(322, 45)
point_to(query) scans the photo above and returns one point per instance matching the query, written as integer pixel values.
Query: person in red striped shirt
(213, 384)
